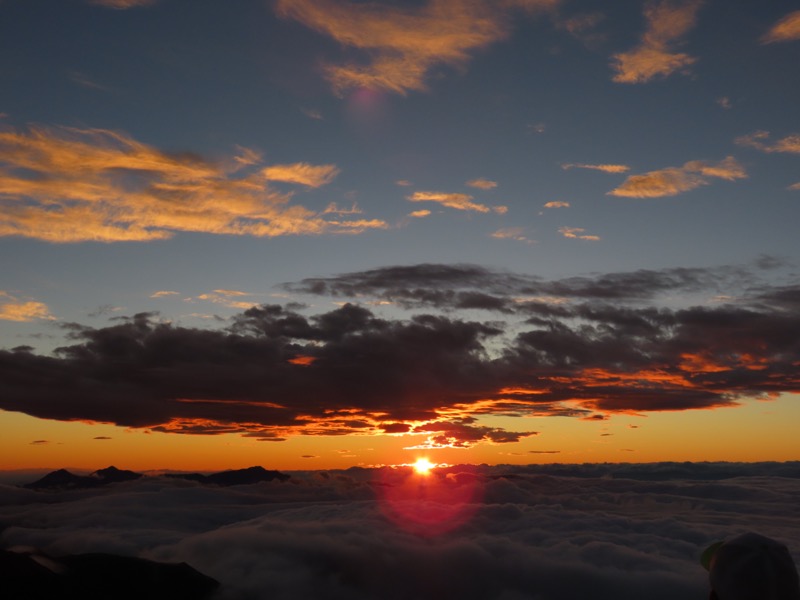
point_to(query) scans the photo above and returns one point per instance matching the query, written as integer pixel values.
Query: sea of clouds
(556, 532)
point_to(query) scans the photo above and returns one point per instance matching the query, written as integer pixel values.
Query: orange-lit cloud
(302, 173)
(229, 298)
(482, 184)
(74, 185)
(334, 209)
(676, 180)
(668, 21)
(456, 201)
(420, 214)
(163, 294)
(512, 233)
(16, 309)
(556, 204)
(786, 29)
(405, 43)
(577, 233)
(760, 141)
(604, 168)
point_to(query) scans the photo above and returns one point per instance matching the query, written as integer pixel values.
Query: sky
(314, 234)
(541, 532)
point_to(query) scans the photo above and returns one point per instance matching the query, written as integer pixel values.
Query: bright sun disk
(423, 466)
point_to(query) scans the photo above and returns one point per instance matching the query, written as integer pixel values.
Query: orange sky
(756, 431)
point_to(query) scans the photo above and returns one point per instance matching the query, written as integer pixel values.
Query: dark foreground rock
(32, 575)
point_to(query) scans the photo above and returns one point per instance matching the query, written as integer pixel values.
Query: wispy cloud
(578, 233)
(21, 310)
(604, 168)
(482, 184)
(122, 4)
(302, 173)
(677, 180)
(785, 30)
(668, 21)
(556, 204)
(420, 214)
(512, 233)
(456, 201)
(405, 43)
(760, 141)
(74, 185)
(163, 294)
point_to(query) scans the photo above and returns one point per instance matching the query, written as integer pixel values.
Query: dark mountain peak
(246, 476)
(62, 480)
(114, 475)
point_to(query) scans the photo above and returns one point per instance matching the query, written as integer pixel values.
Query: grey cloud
(607, 345)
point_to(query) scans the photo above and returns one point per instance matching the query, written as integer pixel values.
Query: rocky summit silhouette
(64, 480)
(234, 477)
(33, 575)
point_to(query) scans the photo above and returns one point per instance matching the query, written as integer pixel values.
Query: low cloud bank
(556, 532)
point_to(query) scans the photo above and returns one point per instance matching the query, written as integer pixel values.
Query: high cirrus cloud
(677, 180)
(606, 168)
(786, 29)
(760, 141)
(606, 346)
(123, 4)
(71, 185)
(302, 173)
(668, 21)
(455, 201)
(13, 308)
(405, 43)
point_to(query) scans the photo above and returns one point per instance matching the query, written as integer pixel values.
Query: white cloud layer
(555, 532)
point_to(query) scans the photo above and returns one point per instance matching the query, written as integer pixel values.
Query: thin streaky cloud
(760, 141)
(302, 173)
(482, 184)
(335, 209)
(786, 29)
(455, 201)
(577, 233)
(794, 186)
(22, 310)
(668, 22)
(405, 43)
(164, 294)
(677, 180)
(602, 167)
(123, 4)
(725, 102)
(516, 234)
(420, 214)
(312, 113)
(74, 185)
(557, 204)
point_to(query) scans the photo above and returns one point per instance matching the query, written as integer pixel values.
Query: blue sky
(191, 158)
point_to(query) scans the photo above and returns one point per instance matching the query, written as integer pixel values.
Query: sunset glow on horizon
(318, 234)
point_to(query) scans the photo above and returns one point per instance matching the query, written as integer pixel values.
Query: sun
(423, 466)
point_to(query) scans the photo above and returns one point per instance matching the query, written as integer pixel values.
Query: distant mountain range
(65, 480)
(32, 575)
